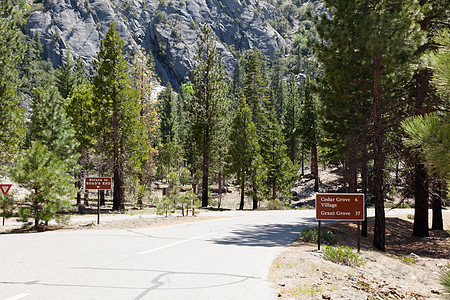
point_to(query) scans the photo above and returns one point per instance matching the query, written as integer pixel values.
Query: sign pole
(359, 236)
(98, 207)
(318, 237)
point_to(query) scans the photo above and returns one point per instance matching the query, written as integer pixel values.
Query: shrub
(445, 280)
(343, 255)
(405, 259)
(411, 217)
(164, 206)
(310, 235)
(162, 17)
(276, 204)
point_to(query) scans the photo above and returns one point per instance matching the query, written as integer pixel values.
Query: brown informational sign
(98, 183)
(341, 207)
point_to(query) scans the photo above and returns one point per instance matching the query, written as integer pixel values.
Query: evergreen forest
(362, 90)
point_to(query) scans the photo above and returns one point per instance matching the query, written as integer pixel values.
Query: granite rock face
(167, 28)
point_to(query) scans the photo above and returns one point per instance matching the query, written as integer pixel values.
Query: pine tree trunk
(220, 190)
(379, 239)
(241, 204)
(364, 176)
(421, 195)
(117, 201)
(315, 167)
(292, 152)
(205, 170)
(420, 227)
(303, 163)
(438, 223)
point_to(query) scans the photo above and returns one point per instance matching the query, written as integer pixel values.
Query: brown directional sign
(342, 207)
(98, 183)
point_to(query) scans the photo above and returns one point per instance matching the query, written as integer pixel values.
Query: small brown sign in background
(342, 207)
(98, 183)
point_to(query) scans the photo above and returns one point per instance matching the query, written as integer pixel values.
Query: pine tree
(50, 125)
(206, 106)
(290, 120)
(255, 90)
(65, 76)
(118, 128)
(168, 126)
(243, 155)
(429, 134)
(45, 175)
(423, 101)
(310, 131)
(273, 151)
(11, 54)
(373, 41)
(145, 82)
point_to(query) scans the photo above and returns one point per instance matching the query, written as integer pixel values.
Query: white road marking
(17, 297)
(177, 243)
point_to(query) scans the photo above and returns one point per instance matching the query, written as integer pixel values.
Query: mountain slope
(168, 29)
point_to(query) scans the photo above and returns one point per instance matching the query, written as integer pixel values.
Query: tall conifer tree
(382, 35)
(118, 128)
(207, 102)
(11, 54)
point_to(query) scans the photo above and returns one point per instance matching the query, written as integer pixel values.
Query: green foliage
(65, 77)
(172, 178)
(45, 175)
(7, 206)
(50, 125)
(405, 259)
(207, 104)
(165, 206)
(291, 120)
(277, 204)
(168, 125)
(343, 255)
(280, 169)
(243, 158)
(184, 176)
(429, 135)
(445, 280)
(161, 17)
(11, 56)
(79, 108)
(310, 235)
(119, 132)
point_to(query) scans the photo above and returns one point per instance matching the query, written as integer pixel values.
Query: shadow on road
(271, 235)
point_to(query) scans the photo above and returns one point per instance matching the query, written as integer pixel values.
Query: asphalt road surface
(225, 258)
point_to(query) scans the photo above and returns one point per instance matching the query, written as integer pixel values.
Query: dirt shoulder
(409, 269)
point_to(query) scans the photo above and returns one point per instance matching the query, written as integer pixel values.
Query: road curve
(227, 258)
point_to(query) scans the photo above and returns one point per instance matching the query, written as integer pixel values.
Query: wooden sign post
(98, 183)
(340, 207)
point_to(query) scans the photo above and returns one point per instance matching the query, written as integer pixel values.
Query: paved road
(216, 259)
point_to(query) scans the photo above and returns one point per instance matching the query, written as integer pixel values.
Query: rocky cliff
(167, 28)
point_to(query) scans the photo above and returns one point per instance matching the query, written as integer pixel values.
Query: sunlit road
(217, 259)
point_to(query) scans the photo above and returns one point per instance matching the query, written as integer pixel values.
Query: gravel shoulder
(409, 269)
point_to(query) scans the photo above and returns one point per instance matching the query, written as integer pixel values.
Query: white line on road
(17, 297)
(177, 243)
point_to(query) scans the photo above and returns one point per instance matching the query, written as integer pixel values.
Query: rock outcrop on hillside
(167, 28)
